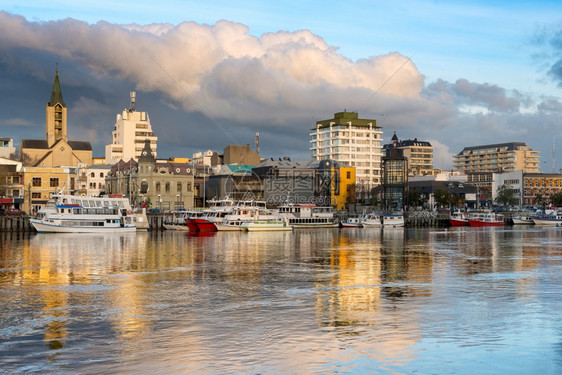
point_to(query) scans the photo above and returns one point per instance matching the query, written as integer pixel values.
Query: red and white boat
(459, 219)
(488, 219)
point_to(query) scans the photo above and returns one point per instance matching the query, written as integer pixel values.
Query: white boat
(522, 219)
(74, 214)
(392, 220)
(554, 219)
(267, 225)
(372, 220)
(308, 216)
(353, 222)
(245, 211)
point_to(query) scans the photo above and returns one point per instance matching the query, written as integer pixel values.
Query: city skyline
(452, 74)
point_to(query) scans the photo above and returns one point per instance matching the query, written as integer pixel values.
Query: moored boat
(487, 219)
(372, 220)
(266, 225)
(522, 219)
(553, 219)
(353, 222)
(459, 219)
(74, 214)
(308, 216)
(392, 220)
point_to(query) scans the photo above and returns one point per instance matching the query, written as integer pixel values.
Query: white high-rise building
(353, 141)
(131, 130)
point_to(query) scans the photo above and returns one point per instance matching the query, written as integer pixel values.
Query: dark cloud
(206, 86)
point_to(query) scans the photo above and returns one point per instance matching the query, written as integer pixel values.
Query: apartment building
(500, 157)
(131, 129)
(349, 140)
(418, 153)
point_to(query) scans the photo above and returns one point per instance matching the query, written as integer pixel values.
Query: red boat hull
(205, 225)
(478, 223)
(458, 223)
(191, 225)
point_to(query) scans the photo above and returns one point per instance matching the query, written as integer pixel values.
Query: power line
(384, 83)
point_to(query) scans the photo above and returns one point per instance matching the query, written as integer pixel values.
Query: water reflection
(309, 301)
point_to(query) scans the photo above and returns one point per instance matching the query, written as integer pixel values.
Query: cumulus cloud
(210, 85)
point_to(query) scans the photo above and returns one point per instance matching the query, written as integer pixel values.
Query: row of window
(158, 186)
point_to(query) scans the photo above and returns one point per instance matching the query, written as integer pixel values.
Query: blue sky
(481, 71)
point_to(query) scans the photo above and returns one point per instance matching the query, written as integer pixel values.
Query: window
(144, 187)
(92, 175)
(167, 186)
(348, 175)
(36, 182)
(54, 182)
(189, 186)
(36, 195)
(158, 186)
(101, 175)
(179, 186)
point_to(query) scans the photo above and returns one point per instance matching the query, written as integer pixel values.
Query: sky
(209, 74)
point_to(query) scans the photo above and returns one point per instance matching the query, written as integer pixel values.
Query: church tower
(56, 114)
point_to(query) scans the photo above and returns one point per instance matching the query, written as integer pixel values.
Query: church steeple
(56, 114)
(56, 93)
(146, 155)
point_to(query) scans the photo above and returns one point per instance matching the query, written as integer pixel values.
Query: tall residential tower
(132, 128)
(353, 141)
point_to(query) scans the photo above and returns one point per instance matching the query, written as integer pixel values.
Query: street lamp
(160, 201)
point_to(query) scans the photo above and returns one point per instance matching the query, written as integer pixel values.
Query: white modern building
(353, 141)
(202, 157)
(131, 130)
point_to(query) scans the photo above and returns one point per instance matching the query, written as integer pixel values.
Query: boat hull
(265, 226)
(205, 225)
(547, 222)
(478, 223)
(42, 227)
(458, 223)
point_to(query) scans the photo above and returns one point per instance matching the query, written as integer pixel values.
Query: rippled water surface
(424, 301)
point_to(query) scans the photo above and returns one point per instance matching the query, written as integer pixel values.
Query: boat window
(85, 203)
(98, 203)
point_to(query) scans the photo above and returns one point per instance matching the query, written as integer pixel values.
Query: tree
(442, 197)
(351, 193)
(415, 199)
(556, 199)
(506, 195)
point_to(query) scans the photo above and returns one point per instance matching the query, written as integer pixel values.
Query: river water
(398, 301)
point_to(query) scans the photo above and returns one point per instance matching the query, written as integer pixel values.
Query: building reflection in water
(270, 297)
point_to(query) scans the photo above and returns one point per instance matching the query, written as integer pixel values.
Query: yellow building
(55, 150)
(40, 183)
(343, 189)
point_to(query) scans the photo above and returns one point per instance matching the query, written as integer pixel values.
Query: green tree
(506, 195)
(415, 199)
(556, 199)
(442, 197)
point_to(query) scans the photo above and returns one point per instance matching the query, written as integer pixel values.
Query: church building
(55, 150)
